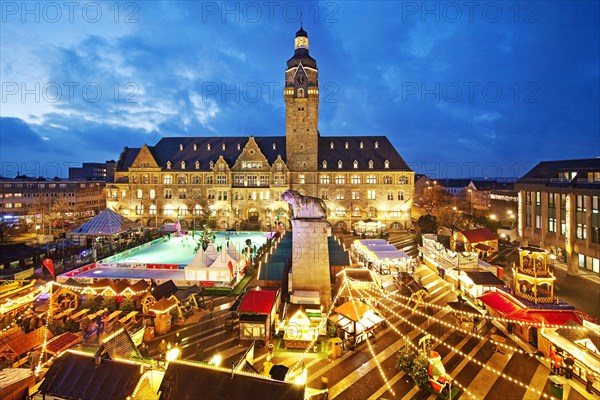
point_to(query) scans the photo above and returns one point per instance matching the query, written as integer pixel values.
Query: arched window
(356, 211)
(168, 210)
(152, 209)
(324, 164)
(300, 92)
(197, 164)
(372, 212)
(138, 193)
(340, 164)
(197, 210)
(139, 209)
(168, 179)
(152, 194)
(182, 210)
(355, 164)
(182, 179)
(370, 164)
(196, 179)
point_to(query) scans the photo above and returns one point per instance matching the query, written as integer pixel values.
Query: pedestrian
(177, 339)
(568, 366)
(34, 358)
(85, 324)
(199, 351)
(162, 348)
(557, 361)
(589, 377)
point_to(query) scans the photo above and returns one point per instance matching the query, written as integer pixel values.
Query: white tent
(211, 265)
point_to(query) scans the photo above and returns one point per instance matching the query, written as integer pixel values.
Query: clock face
(300, 79)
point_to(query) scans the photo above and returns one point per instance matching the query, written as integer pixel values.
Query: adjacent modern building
(94, 172)
(22, 197)
(240, 180)
(559, 211)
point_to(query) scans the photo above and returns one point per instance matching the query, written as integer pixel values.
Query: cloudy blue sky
(462, 89)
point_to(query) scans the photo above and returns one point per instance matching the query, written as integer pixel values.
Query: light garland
(490, 317)
(314, 340)
(385, 380)
(475, 335)
(464, 355)
(100, 291)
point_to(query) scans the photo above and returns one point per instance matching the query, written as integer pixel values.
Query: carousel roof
(107, 223)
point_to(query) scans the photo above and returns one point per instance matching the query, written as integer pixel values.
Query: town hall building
(239, 180)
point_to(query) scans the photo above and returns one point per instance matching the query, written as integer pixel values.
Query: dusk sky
(460, 88)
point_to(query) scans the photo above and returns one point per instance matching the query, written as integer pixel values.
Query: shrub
(406, 357)
(419, 371)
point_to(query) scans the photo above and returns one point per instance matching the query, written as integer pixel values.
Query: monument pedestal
(310, 258)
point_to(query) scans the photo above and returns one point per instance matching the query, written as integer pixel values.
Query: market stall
(380, 255)
(355, 321)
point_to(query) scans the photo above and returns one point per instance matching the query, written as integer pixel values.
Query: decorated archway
(253, 215)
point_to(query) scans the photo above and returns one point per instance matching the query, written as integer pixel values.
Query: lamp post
(471, 199)
(552, 258)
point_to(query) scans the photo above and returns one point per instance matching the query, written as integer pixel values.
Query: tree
(427, 223)
(450, 218)
(6, 230)
(406, 357)
(419, 371)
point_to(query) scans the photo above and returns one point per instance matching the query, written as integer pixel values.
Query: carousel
(368, 227)
(533, 279)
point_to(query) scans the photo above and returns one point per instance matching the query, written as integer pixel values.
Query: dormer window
(370, 164)
(195, 147)
(331, 145)
(376, 145)
(346, 145)
(355, 164)
(223, 146)
(197, 164)
(340, 164)
(183, 165)
(239, 146)
(180, 147)
(361, 145)
(274, 146)
(168, 164)
(212, 164)
(386, 164)
(324, 164)
(208, 147)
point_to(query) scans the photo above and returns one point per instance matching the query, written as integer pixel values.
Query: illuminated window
(324, 164)
(376, 145)
(324, 179)
(301, 179)
(152, 209)
(331, 145)
(371, 179)
(181, 147)
(355, 179)
(386, 164)
(361, 145)
(355, 164)
(387, 180)
(139, 209)
(152, 194)
(168, 179)
(168, 164)
(340, 164)
(370, 164)
(168, 210)
(340, 179)
(372, 194)
(138, 193)
(197, 165)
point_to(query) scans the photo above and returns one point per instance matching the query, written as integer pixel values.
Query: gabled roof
(120, 346)
(579, 334)
(258, 301)
(107, 223)
(163, 304)
(479, 235)
(165, 289)
(187, 381)
(76, 376)
(62, 342)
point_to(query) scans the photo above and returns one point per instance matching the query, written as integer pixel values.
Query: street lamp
(552, 257)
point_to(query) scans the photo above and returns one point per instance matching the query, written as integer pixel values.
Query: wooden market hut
(258, 314)
(19, 346)
(356, 321)
(470, 239)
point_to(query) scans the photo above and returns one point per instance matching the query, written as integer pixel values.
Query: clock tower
(301, 94)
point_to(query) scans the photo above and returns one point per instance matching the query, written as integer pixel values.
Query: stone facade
(240, 179)
(310, 258)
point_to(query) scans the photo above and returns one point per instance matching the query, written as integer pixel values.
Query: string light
(461, 353)
(490, 317)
